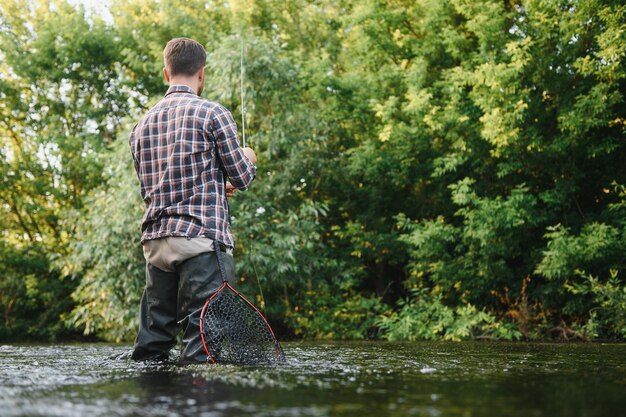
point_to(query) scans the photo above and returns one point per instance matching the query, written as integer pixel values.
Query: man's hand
(230, 189)
(249, 153)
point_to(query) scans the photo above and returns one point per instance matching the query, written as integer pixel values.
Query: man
(183, 149)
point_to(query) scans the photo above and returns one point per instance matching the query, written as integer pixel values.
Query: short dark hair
(184, 56)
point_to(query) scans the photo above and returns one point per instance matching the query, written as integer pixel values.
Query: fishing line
(243, 136)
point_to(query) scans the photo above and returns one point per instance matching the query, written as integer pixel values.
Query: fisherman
(182, 150)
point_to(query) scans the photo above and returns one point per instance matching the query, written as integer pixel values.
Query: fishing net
(234, 331)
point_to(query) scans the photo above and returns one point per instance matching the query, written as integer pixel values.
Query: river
(323, 379)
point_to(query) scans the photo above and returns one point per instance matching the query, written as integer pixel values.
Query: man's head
(185, 59)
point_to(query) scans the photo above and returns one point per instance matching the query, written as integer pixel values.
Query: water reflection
(189, 394)
(330, 379)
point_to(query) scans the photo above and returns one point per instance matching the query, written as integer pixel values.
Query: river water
(323, 379)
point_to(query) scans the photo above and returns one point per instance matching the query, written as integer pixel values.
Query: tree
(63, 98)
(427, 169)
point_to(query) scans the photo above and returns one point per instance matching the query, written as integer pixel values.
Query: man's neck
(184, 81)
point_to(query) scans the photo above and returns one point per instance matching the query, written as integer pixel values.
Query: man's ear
(166, 74)
(201, 74)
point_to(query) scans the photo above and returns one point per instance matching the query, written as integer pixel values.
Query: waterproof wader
(173, 301)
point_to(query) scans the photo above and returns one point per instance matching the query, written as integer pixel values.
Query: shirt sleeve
(238, 167)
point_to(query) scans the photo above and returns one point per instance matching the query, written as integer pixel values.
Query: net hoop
(225, 284)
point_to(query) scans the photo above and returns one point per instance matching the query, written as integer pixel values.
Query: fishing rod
(243, 137)
(243, 109)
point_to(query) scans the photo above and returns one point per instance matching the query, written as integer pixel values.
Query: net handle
(220, 248)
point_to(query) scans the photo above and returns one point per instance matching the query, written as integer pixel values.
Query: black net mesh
(235, 332)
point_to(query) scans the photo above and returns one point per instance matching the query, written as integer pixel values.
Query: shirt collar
(180, 88)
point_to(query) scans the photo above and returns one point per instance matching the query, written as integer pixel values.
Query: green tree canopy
(427, 169)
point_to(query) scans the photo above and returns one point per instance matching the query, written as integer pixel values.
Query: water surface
(323, 379)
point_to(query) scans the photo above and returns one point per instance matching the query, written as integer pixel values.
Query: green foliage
(485, 252)
(582, 273)
(106, 258)
(606, 301)
(425, 317)
(598, 247)
(32, 297)
(62, 98)
(326, 312)
(427, 169)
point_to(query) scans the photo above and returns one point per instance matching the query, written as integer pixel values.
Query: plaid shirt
(177, 148)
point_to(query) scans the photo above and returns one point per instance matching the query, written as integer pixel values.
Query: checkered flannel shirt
(177, 148)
